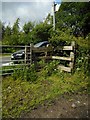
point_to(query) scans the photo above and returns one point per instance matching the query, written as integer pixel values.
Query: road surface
(5, 60)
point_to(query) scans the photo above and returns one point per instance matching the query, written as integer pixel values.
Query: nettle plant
(25, 73)
(49, 69)
(82, 59)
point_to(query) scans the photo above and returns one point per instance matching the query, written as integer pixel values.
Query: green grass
(4, 55)
(22, 96)
(6, 69)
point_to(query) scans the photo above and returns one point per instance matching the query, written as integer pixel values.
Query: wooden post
(25, 54)
(31, 53)
(72, 59)
(72, 54)
(46, 53)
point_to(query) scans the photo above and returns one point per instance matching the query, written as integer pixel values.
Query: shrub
(49, 69)
(25, 73)
(82, 55)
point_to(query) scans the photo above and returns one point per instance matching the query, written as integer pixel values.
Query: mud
(65, 106)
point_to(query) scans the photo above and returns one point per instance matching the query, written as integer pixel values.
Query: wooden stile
(29, 55)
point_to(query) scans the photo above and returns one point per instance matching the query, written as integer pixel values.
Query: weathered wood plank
(62, 58)
(55, 57)
(50, 48)
(64, 48)
(43, 49)
(71, 64)
(63, 68)
(44, 57)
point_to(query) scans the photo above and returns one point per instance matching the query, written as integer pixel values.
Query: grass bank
(28, 88)
(21, 96)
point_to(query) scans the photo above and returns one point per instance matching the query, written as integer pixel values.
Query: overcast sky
(26, 10)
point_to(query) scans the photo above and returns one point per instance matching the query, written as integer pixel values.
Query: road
(5, 60)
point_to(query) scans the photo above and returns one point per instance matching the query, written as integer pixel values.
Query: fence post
(72, 55)
(25, 54)
(31, 45)
(46, 53)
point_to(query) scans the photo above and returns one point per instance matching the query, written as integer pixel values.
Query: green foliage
(82, 60)
(15, 29)
(2, 30)
(41, 32)
(31, 33)
(49, 69)
(28, 27)
(21, 96)
(30, 74)
(73, 15)
(6, 35)
(49, 19)
(11, 35)
(61, 38)
(25, 73)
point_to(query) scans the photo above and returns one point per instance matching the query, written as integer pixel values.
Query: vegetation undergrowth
(28, 87)
(21, 94)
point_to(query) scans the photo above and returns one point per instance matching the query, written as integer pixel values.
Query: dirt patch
(66, 106)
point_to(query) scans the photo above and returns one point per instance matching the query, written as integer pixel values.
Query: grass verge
(21, 96)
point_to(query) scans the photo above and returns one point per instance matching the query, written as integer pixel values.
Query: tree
(15, 29)
(8, 31)
(74, 15)
(15, 33)
(6, 34)
(41, 32)
(48, 19)
(3, 31)
(28, 27)
(0, 30)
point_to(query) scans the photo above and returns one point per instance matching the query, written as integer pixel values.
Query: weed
(25, 73)
(49, 69)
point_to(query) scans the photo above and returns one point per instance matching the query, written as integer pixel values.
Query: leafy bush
(25, 73)
(61, 38)
(31, 74)
(49, 69)
(82, 56)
